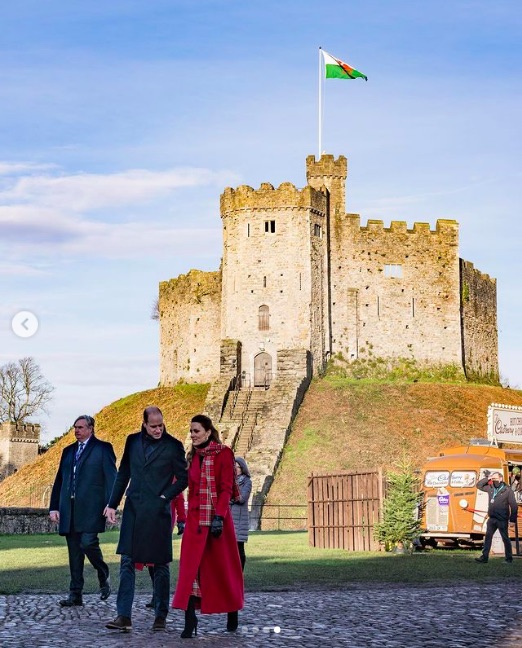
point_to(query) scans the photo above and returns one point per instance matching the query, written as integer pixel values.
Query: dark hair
(88, 419)
(152, 409)
(148, 411)
(206, 423)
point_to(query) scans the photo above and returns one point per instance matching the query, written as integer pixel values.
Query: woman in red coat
(210, 576)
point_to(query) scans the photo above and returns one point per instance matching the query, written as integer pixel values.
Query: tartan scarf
(207, 482)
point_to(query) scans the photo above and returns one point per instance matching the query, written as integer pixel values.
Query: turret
(331, 174)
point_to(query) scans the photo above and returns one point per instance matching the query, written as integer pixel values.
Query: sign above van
(505, 423)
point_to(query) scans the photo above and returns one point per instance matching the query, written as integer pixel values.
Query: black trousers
(79, 545)
(502, 525)
(242, 555)
(126, 589)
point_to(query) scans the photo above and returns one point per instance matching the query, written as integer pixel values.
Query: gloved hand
(181, 527)
(486, 473)
(216, 528)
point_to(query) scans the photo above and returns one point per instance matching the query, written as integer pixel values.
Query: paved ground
(390, 616)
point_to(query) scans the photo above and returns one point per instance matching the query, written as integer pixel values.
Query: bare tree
(24, 391)
(154, 313)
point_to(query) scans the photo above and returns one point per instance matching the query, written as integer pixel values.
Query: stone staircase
(255, 424)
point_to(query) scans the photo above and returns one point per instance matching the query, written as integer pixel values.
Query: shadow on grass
(275, 561)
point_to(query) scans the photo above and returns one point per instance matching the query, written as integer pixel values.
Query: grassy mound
(30, 485)
(343, 424)
(349, 425)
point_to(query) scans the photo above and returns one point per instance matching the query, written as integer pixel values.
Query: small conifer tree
(401, 510)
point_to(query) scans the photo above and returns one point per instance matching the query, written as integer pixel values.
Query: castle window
(393, 270)
(264, 282)
(264, 318)
(270, 227)
(248, 229)
(317, 230)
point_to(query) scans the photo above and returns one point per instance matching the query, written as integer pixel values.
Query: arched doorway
(262, 370)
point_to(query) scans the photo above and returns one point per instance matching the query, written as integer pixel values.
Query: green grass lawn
(275, 560)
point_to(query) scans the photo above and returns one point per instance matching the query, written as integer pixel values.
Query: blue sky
(121, 123)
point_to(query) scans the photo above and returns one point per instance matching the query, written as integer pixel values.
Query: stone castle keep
(302, 281)
(18, 446)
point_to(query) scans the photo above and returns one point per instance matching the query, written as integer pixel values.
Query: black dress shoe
(159, 624)
(481, 559)
(120, 623)
(71, 601)
(105, 590)
(150, 604)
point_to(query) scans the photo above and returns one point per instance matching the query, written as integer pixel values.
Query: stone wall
(395, 291)
(189, 308)
(25, 521)
(479, 322)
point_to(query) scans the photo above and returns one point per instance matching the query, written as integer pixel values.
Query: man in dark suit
(155, 464)
(80, 494)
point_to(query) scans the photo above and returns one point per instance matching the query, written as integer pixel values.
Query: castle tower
(189, 309)
(274, 278)
(330, 173)
(18, 446)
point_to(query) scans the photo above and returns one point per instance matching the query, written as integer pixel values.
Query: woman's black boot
(191, 620)
(232, 621)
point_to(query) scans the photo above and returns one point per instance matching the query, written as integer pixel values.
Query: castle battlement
(266, 198)
(20, 431)
(443, 226)
(190, 287)
(327, 165)
(470, 268)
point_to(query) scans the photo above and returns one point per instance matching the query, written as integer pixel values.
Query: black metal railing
(279, 517)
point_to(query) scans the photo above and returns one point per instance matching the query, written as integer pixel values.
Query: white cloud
(84, 192)
(14, 168)
(50, 217)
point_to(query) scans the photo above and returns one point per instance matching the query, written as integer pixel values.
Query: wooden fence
(343, 508)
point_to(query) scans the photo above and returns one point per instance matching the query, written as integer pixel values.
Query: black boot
(232, 621)
(191, 620)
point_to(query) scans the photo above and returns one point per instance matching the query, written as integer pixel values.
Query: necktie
(81, 446)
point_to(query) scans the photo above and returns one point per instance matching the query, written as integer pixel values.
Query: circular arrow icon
(24, 324)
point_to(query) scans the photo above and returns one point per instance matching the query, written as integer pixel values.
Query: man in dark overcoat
(79, 496)
(154, 463)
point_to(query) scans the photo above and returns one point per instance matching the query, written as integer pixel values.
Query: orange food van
(454, 511)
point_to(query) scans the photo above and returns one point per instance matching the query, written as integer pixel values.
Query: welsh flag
(336, 69)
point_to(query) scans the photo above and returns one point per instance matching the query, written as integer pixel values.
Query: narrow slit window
(264, 318)
(270, 227)
(317, 230)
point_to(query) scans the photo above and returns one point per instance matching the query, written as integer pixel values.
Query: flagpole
(320, 105)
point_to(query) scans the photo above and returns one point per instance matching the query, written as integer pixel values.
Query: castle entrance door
(262, 370)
